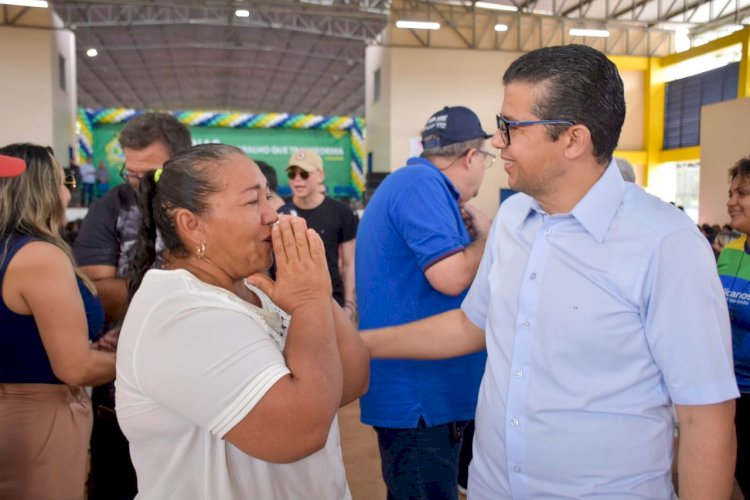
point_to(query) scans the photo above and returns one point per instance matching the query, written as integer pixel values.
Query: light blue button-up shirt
(596, 322)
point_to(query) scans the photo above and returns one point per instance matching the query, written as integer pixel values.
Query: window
(687, 179)
(684, 98)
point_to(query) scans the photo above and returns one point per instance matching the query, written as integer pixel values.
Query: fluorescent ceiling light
(495, 6)
(242, 13)
(588, 32)
(418, 25)
(501, 27)
(92, 52)
(26, 3)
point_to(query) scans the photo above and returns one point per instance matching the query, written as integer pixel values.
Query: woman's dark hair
(185, 181)
(740, 169)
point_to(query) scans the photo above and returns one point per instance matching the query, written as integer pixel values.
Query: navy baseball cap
(450, 125)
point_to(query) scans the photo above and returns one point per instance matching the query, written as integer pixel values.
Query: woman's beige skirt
(44, 438)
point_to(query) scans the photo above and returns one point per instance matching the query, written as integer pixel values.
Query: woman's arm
(42, 282)
(292, 420)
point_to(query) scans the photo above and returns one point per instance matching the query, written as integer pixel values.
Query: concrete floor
(359, 445)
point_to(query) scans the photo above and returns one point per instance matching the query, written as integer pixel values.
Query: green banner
(274, 146)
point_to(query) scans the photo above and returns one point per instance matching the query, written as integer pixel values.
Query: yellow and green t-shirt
(734, 271)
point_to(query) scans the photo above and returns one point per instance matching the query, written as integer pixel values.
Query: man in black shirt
(333, 220)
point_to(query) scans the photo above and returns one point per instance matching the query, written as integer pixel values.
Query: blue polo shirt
(412, 221)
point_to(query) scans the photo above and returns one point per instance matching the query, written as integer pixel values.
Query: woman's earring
(201, 251)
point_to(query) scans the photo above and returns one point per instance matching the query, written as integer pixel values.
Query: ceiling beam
(338, 22)
(352, 54)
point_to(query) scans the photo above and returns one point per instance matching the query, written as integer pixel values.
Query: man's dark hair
(579, 85)
(270, 174)
(149, 128)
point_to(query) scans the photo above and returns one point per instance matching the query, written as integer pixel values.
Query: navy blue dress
(23, 359)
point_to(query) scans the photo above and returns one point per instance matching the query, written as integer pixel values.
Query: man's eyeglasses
(489, 158)
(70, 182)
(125, 174)
(292, 173)
(504, 125)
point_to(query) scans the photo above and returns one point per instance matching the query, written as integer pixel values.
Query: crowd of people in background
(91, 183)
(234, 316)
(718, 236)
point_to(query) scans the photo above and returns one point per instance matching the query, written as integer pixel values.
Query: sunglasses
(70, 182)
(292, 173)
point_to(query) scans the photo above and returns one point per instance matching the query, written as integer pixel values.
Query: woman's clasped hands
(302, 276)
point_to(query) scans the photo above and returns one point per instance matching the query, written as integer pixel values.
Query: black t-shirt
(109, 232)
(335, 222)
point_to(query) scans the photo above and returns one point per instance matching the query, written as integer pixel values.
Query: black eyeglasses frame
(504, 125)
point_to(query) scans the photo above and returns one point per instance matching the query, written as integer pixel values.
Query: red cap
(10, 166)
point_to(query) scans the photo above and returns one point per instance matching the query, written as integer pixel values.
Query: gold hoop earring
(201, 250)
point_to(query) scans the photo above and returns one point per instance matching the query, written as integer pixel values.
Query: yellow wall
(659, 163)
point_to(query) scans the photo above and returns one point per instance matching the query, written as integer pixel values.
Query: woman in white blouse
(227, 386)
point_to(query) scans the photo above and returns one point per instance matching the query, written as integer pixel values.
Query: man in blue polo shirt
(418, 248)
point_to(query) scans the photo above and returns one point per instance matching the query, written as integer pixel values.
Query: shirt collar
(598, 207)
(596, 210)
(418, 160)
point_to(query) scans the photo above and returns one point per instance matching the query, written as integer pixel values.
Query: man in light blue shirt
(599, 306)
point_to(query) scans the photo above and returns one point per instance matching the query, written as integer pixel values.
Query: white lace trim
(273, 320)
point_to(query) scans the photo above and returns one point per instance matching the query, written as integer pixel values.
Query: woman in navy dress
(49, 316)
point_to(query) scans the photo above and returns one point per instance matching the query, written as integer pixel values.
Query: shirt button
(514, 422)
(519, 373)
(525, 324)
(547, 232)
(516, 468)
(533, 276)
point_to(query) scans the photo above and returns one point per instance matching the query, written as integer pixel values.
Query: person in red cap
(49, 314)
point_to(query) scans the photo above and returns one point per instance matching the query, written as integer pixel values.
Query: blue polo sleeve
(428, 217)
